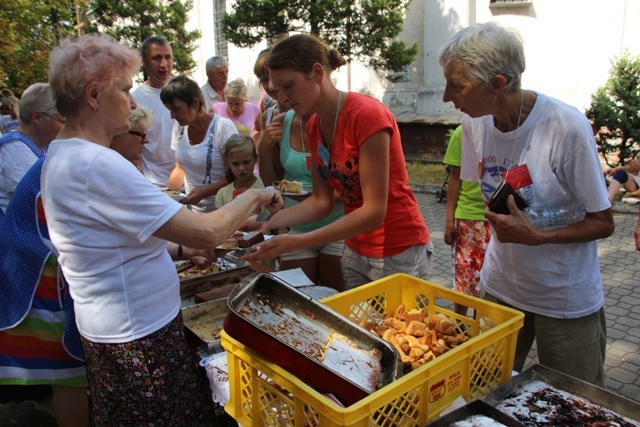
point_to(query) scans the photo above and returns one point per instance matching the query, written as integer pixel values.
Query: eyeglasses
(61, 121)
(142, 135)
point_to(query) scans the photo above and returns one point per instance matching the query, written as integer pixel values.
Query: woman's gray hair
(37, 97)
(489, 49)
(216, 62)
(92, 58)
(140, 119)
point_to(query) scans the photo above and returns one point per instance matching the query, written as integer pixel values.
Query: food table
(264, 391)
(204, 300)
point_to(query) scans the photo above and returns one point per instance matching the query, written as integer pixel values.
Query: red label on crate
(454, 380)
(437, 391)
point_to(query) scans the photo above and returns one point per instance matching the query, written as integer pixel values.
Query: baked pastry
(293, 187)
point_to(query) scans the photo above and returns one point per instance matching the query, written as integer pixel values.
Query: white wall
(568, 47)
(240, 60)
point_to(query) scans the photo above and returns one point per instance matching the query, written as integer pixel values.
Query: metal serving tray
(204, 322)
(308, 325)
(477, 407)
(227, 266)
(623, 406)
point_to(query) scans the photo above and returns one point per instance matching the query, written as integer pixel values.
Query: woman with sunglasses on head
(198, 139)
(40, 122)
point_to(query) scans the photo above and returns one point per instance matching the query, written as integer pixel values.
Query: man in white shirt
(217, 68)
(158, 159)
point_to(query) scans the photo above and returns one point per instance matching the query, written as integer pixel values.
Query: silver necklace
(304, 150)
(335, 122)
(515, 139)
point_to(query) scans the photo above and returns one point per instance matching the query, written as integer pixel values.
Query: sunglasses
(61, 121)
(142, 135)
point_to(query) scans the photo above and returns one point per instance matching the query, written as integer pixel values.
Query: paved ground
(620, 266)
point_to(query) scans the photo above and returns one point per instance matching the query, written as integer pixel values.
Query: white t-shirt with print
(557, 146)
(102, 213)
(193, 159)
(158, 159)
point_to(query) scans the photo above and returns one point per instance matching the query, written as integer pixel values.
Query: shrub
(615, 111)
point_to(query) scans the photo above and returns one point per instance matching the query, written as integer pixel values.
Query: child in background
(241, 157)
(467, 231)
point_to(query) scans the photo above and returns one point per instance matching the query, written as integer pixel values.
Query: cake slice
(293, 187)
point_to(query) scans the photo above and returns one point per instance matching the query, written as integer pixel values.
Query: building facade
(569, 46)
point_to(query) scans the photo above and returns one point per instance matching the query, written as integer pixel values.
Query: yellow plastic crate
(263, 394)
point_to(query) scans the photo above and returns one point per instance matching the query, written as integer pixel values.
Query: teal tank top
(295, 169)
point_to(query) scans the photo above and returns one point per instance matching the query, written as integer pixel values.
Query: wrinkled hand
(194, 197)
(272, 248)
(252, 225)
(513, 228)
(272, 200)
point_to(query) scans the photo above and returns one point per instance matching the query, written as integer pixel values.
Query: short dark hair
(144, 48)
(183, 88)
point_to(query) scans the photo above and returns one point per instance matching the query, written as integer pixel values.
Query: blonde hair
(141, 119)
(238, 142)
(236, 89)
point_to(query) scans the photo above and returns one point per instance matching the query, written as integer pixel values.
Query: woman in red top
(356, 150)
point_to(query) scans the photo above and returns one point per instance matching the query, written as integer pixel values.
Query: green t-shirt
(470, 202)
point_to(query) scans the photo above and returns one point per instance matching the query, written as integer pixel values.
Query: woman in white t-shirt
(110, 226)
(198, 139)
(545, 150)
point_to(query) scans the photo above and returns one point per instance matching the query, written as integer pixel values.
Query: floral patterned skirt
(152, 381)
(472, 238)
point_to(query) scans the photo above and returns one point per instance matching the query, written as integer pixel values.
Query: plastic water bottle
(553, 216)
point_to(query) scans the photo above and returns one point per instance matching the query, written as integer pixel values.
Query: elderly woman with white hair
(542, 151)
(40, 122)
(131, 143)
(245, 115)
(110, 226)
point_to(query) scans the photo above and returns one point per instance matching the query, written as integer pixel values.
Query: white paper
(458, 403)
(294, 277)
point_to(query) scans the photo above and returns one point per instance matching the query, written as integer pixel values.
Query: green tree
(615, 111)
(30, 29)
(363, 30)
(133, 21)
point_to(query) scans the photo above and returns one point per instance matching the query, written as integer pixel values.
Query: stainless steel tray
(228, 265)
(308, 325)
(623, 406)
(204, 322)
(477, 407)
